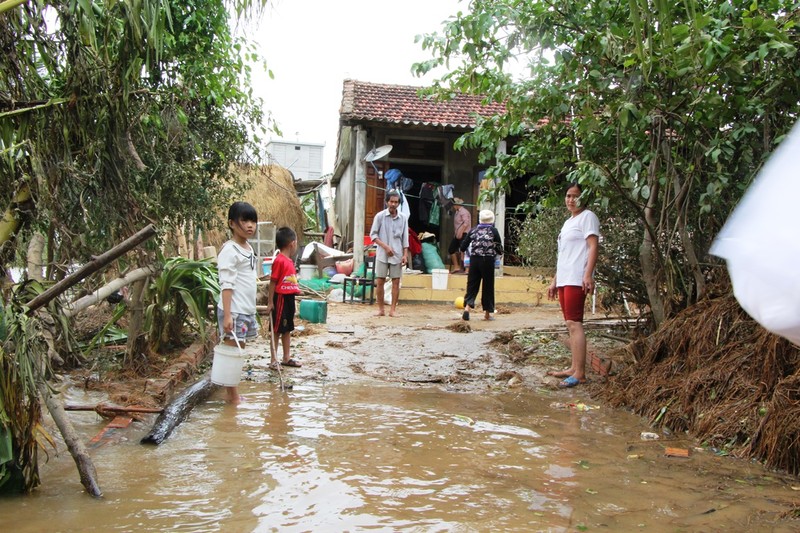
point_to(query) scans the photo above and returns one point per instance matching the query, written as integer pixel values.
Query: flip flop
(465, 315)
(570, 382)
(291, 362)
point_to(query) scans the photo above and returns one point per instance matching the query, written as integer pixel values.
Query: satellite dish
(377, 153)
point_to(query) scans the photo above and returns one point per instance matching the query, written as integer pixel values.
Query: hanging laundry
(445, 196)
(396, 180)
(404, 207)
(427, 192)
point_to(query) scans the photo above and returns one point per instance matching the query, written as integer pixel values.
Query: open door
(376, 188)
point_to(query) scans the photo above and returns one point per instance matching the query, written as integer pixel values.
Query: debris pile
(714, 372)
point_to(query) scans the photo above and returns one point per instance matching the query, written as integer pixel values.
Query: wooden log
(86, 469)
(177, 411)
(91, 267)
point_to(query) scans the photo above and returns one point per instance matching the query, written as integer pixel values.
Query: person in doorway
(462, 222)
(236, 263)
(390, 234)
(578, 247)
(283, 287)
(483, 244)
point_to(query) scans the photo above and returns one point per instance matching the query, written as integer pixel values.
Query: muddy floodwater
(387, 458)
(402, 425)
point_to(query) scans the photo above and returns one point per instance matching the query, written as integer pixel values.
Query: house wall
(422, 156)
(344, 204)
(303, 159)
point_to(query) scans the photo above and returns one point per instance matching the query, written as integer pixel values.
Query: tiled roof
(400, 104)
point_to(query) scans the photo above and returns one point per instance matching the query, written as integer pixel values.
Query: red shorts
(572, 299)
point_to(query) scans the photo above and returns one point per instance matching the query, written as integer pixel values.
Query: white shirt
(573, 252)
(237, 271)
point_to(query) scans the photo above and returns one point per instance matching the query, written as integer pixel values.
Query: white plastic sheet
(761, 244)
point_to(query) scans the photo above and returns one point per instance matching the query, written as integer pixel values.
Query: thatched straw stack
(273, 195)
(714, 372)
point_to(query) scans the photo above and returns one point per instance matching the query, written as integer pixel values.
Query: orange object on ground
(676, 452)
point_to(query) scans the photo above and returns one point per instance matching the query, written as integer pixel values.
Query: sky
(312, 46)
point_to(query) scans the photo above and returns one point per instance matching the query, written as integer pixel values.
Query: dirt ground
(427, 343)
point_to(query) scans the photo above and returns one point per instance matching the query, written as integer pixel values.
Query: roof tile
(400, 104)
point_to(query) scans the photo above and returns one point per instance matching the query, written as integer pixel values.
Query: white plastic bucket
(226, 370)
(439, 279)
(307, 271)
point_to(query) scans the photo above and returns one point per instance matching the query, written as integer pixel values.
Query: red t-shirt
(284, 276)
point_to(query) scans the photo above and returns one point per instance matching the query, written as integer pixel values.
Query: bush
(537, 237)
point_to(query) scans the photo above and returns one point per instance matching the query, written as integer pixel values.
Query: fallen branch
(177, 411)
(110, 288)
(91, 267)
(86, 468)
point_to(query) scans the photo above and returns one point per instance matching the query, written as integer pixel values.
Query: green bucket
(315, 311)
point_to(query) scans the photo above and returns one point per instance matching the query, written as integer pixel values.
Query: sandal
(570, 382)
(291, 362)
(273, 365)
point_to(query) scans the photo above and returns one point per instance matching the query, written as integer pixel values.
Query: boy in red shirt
(282, 288)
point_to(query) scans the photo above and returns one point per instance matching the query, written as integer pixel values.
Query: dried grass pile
(273, 195)
(714, 372)
(460, 327)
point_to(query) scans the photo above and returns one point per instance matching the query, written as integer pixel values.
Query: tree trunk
(35, 259)
(650, 278)
(688, 245)
(137, 344)
(648, 249)
(76, 448)
(183, 246)
(177, 410)
(681, 190)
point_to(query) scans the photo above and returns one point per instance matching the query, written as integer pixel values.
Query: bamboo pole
(91, 267)
(110, 288)
(113, 408)
(10, 221)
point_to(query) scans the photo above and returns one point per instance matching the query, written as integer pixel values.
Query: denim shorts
(245, 326)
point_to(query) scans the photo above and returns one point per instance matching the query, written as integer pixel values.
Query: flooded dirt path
(402, 425)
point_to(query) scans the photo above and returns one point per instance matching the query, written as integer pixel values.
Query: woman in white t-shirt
(578, 244)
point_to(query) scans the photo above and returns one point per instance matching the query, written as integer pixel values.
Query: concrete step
(524, 290)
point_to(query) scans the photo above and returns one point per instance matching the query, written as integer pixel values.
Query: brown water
(383, 458)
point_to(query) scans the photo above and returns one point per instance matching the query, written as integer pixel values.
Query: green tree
(119, 113)
(664, 111)
(113, 114)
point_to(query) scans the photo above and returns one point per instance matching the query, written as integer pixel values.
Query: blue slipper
(570, 382)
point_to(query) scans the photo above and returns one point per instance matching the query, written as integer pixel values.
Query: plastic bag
(759, 242)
